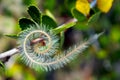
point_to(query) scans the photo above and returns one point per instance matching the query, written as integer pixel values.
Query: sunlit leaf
(104, 5)
(11, 71)
(102, 54)
(115, 34)
(83, 6)
(48, 13)
(29, 2)
(49, 4)
(63, 27)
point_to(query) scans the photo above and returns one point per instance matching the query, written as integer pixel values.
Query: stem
(9, 53)
(37, 40)
(69, 24)
(64, 26)
(15, 50)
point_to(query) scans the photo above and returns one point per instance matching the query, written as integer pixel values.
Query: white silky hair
(54, 58)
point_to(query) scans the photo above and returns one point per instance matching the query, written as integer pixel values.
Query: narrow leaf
(93, 18)
(62, 37)
(25, 23)
(12, 36)
(2, 68)
(35, 14)
(81, 26)
(46, 20)
(78, 15)
(63, 27)
(48, 13)
(1, 64)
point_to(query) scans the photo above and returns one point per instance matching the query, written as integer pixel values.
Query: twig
(9, 53)
(15, 50)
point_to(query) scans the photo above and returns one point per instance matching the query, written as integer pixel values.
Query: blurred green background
(100, 62)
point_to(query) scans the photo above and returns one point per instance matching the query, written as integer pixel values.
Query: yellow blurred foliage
(83, 6)
(104, 5)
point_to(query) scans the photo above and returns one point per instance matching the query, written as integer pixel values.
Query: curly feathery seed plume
(39, 46)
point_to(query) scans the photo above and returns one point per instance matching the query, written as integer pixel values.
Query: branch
(15, 50)
(9, 53)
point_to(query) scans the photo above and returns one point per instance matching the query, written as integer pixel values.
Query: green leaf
(69, 4)
(115, 33)
(12, 36)
(79, 16)
(63, 27)
(62, 38)
(1, 64)
(93, 18)
(81, 26)
(102, 54)
(29, 2)
(46, 20)
(26, 23)
(48, 13)
(2, 68)
(50, 4)
(35, 14)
